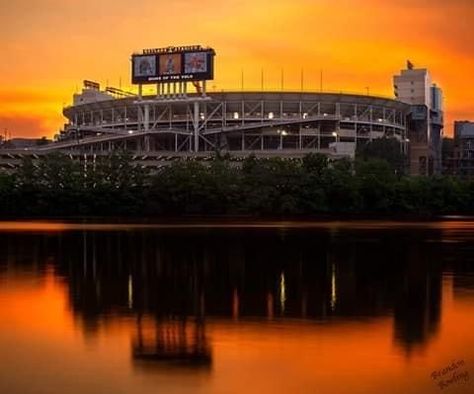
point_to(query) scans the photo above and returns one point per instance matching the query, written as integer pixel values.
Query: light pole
(282, 133)
(336, 136)
(407, 141)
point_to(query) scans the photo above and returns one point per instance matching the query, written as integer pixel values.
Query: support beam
(196, 126)
(146, 118)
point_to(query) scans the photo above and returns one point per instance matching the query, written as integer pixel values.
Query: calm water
(366, 307)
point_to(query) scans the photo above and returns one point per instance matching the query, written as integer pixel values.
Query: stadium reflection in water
(331, 309)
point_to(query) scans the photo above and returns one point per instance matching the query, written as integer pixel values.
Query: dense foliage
(55, 185)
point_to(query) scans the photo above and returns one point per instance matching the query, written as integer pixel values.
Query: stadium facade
(239, 123)
(158, 130)
(175, 123)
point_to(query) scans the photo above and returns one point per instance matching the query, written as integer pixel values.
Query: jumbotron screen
(173, 64)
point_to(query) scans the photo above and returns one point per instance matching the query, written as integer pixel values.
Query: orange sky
(50, 46)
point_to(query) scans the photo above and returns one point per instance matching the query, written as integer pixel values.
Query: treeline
(55, 185)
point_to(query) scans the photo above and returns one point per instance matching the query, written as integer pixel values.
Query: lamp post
(404, 145)
(336, 140)
(282, 133)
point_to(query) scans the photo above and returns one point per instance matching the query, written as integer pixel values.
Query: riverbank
(259, 188)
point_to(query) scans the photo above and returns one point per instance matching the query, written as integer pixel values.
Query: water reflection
(180, 342)
(184, 297)
(181, 278)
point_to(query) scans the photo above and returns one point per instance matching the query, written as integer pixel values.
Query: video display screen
(144, 66)
(173, 67)
(195, 62)
(170, 64)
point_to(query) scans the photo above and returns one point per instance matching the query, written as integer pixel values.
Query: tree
(8, 199)
(315, 163)
(341, 191)
(376, 180)
(384, 148)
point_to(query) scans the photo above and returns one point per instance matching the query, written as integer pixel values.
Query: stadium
(176, 123)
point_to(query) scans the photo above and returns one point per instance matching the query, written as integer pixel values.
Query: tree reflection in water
(171, 281)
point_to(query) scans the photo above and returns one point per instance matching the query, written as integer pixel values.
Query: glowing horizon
(50, 47)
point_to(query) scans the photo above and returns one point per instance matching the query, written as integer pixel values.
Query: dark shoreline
(238, 219)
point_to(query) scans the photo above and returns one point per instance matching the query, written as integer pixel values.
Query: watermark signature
(454, 373)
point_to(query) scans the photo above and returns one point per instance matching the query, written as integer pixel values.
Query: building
(462, 160)
(159, 130)
(426, 119)
(174, 123)
(24, 143)
(269, 123)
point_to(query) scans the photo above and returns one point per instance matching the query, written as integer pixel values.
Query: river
(237, 307)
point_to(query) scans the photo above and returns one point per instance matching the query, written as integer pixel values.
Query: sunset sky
(50, 46)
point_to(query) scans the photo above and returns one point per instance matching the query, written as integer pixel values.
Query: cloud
(22, 97)
(29, 126)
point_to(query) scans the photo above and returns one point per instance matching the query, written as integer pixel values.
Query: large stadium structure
(174, 123)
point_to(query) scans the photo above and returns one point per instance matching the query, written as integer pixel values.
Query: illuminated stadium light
(334, 134)
(305, 115)
(236, 115)
(270, 115)
(130, 131)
